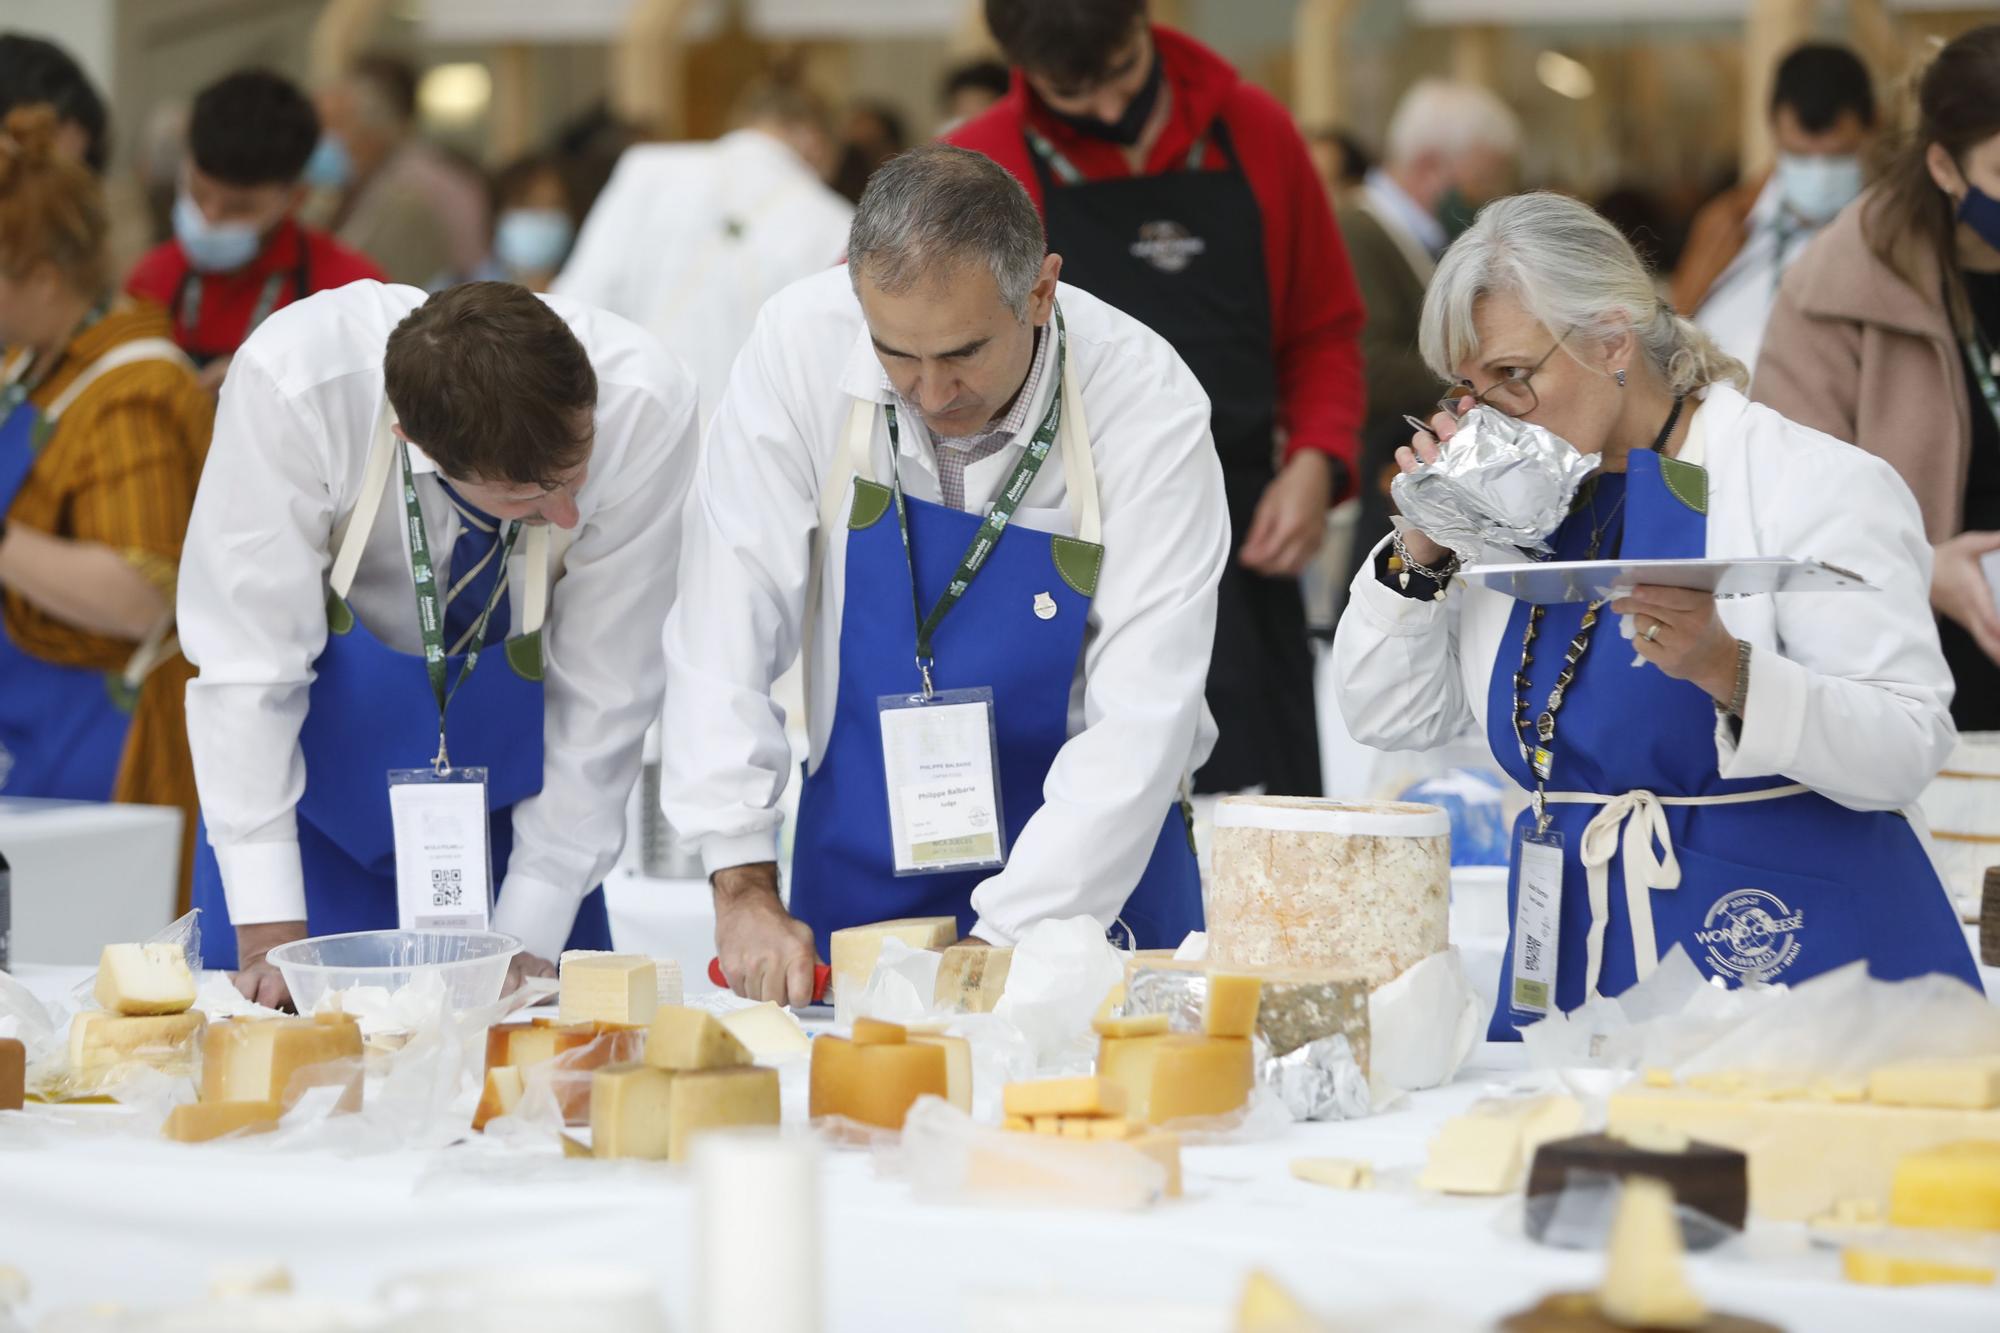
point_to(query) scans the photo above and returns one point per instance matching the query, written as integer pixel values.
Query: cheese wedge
(689, 1039)
(1956, 1186)
(631, 1112)
(100, 1041)
(1645, 1280)
(1266, 1307)
(712, 1099)
(1179, 1075)
(1231, 1007)
(609, 988)
(199, 1122)
(1486, 1150)
(769, 1031)
(972, 978)
(853, 952)
(875, 1084)
(1064, 1096)
(137, 979)
(278, 1059)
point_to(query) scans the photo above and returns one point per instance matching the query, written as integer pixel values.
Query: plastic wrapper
(1578, 1217)
(185, 932)
(1423, 1025)
(1062, 971)
(949, 1158)
(1499, 486)
(903, 986)
(39, 1028)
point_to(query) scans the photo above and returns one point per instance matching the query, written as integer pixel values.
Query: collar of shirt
(1412, 216)
(863, 377)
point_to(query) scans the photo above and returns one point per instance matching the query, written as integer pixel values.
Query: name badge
(444, 867)
(1538, 923)
(940, 757)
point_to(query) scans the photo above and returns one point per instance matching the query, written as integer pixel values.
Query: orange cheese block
(502, 1093)
(579, 1050)
(875, 1032)
(279, 1059)
(631, 1112)
(709, 1099)
(13, 1074)
(1178, 1076)
(1231, 1007)
(874, 1084)
(1064, 1096)
(198, 1122)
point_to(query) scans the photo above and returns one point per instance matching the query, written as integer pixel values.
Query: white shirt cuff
(725, 851)
(1387, 610)
(1774, 719)
(262, 882)
(539, 915)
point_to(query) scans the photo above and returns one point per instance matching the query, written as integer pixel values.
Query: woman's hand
(1424, 447)
(1959, 588)
(1678, 631)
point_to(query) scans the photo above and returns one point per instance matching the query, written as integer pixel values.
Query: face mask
(213, 248)
(329, 167)
(1455, 213)
(532, 240)
(1817, 187)
(1124, 131)
(1981, 212)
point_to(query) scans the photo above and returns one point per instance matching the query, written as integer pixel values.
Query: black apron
(1183, 252)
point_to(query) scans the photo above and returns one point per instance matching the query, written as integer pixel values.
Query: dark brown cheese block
(1989, 920)
(1576, 1312)
(13, 1074)
(1706, 1179)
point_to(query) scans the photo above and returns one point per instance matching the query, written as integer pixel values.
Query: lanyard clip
(1541, 805)
(924, 667)
(441, 764)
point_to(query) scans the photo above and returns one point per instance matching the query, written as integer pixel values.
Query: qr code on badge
(1532, 961)
(447, 886)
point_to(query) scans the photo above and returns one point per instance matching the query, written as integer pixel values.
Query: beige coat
(1855, 351)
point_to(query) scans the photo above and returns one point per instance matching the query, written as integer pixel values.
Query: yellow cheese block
(1879, 1268)
(99, 1041)
(1020, 1124)
(1074, 1171)
(718, 1099)
(1110, 1128)
(688, 1039)
(502, 1093)
(1137, 1025)
(1075, 1127)
(1050, 1125)
(957, 1067)
(972, 978)
(609, 988)
(144, 979)
(1064, 1096)
(1806, 1156)
(1179, 1075)
(1231, 1007)
(279, 1059)
(875, 1032)
(1645, 1278)
(874, 1085)
(631, 1112)
(198, 1122)
(852, 952)
(1955, 1186)
(1486, 1150)
(1338, 1173)
(769, 1031)
(1968, 1084)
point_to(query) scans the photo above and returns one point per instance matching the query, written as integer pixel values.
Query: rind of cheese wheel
(1645, 1276)
(13, 1074)
(136, 979)
(277, 1059)
(99, 1041)
(957, 1066)
(199, 1122)
(1064, 1096)
(1230, 1009)
(1178, 1076)
(972, 978)
(1878, 1268)
(874, 1085)
(1486, 1150)
(769, 1031)
(502, 1093)
(689, 1039)
(852, 952)
(631, 1112)
(711, 1099)
(1956, 1186)
(1967, 1085)
(608, 988)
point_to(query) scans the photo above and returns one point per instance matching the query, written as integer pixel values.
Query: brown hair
(490, 382)
(51, 208)
(1911, 223)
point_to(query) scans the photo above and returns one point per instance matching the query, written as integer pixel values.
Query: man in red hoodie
(238, 254)
(1186, 197)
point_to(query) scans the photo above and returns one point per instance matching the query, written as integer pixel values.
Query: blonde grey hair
(1450, 119)
(938, 206)
(1575, 273)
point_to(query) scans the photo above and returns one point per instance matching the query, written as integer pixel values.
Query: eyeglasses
(1511, 397)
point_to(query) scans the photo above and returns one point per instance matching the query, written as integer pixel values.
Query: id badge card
(941, 760)
(1538, 923)
(444, 868)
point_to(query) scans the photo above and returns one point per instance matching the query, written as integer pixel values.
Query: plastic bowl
(471, 963)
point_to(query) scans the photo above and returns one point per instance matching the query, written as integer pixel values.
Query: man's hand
(1290, 522)
(1959, 588)
(1677, 630)
(523, 966)
(210, 376)
(765, 952)
(259, 981)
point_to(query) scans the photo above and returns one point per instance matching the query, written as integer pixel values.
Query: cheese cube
(1877, 1268)
(502, 1093)
(1064, 1096)
(1338, 1173)
(144, 979)
(875, 1032)
(609, 988)
(278, 1059)
(631, 1112)
(1971, 1085)
(957, 1067)
(1645, 1279)
(1179, 1075)
(718, 1099)
(1137, 1025)
(1231, 1007)
(874, 1085)
(1106, 1129)
(666, 971)
(198, 1122)
(1049, 1126)
(1955, 1186)
(99, 1041)
(13, 1074)
(1074, 1127)
(688, 1039)
(769, 1031)
(1485, 1150)
(852, 953)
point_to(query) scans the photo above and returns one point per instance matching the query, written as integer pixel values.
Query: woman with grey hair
(1743, 776)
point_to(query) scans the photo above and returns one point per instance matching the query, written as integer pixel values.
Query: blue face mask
(213, 248)
(532, 240)
(329, 167)
(1981, 212)
(1815, 187)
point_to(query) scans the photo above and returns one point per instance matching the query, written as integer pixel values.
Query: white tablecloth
(144, 1223)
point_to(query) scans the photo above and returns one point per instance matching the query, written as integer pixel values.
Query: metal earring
(1621, 379)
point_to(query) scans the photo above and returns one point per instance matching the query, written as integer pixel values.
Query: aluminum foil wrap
(1499, 485)
(1312, 1034)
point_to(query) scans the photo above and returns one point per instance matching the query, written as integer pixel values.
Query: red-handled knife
(822, 978)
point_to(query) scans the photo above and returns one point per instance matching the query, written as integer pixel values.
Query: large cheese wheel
(1962, 806)
(1363, 887)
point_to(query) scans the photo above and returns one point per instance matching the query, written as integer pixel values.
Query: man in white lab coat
(688, 240)
(1004, 659)
(395, 485)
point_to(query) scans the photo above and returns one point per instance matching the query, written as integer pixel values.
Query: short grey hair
(938, 206)
(1450, 119)
(1575, 273)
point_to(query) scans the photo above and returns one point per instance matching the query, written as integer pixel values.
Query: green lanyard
(16, 390)
(989, 533)
(430, 612)
(1066, 170)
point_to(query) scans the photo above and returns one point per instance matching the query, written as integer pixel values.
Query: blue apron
(1777, 889)
(62, 728)
(370, 709)
(843, 873)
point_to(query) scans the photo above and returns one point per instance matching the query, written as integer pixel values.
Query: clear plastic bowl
(471, 963)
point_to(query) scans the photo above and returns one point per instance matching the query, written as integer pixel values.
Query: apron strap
(535, 607)
(1079, 468)
(850, 460)
(124, 354)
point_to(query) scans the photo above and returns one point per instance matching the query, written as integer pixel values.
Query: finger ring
(1653, 632)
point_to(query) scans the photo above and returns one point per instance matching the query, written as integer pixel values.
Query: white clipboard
(1553, 582)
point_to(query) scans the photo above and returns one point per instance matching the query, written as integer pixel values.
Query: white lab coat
(1739, 301)
(1849, 693)
(689, 240)
(1138, 726)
